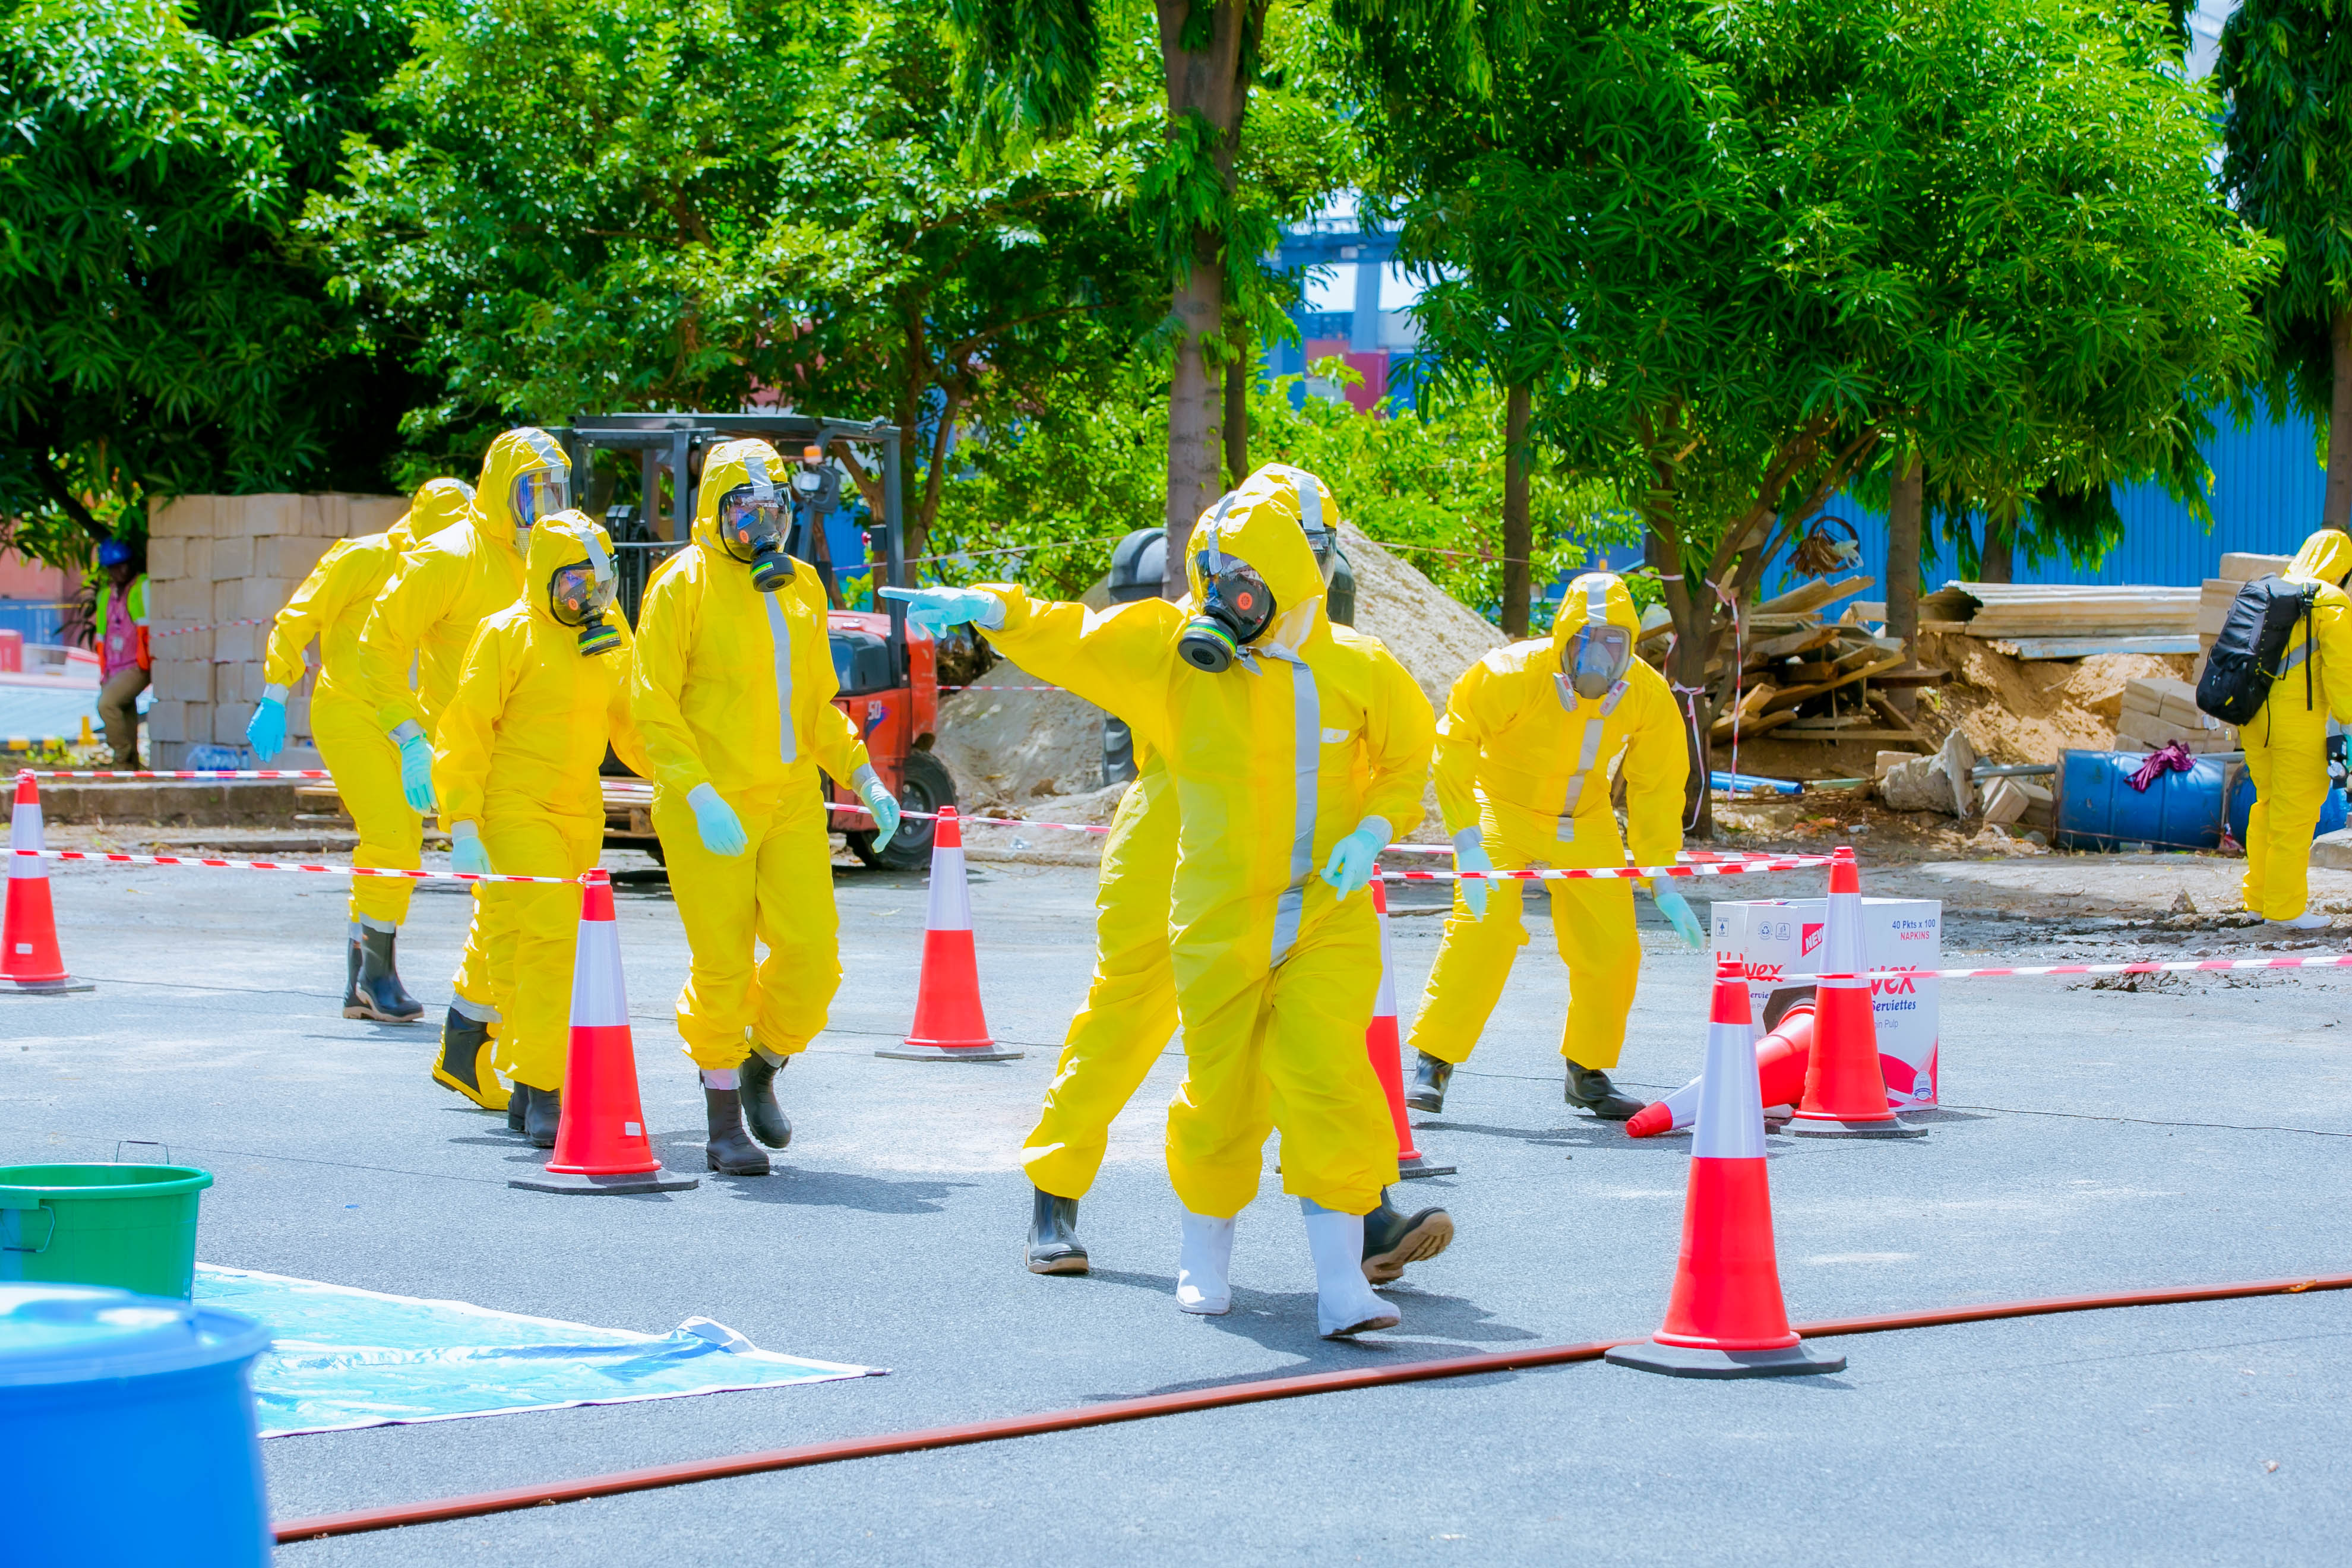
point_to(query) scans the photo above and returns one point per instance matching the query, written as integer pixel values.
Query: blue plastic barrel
(2098, 809)
(128, 1428)
(2333, 813)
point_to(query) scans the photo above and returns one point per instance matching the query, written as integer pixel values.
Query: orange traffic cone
(1387, 1050)
(1846, 1094)
(950, 1026)
(1725, 1317)
(30, 961)
(600, 1144)
(1780, 1059)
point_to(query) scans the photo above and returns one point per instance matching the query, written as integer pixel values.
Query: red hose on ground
(360, 1520)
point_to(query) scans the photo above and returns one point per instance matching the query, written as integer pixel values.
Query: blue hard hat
(114, 552)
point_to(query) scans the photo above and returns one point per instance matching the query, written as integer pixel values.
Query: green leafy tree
(159, 330)
(1740, 252)
(2286, 71)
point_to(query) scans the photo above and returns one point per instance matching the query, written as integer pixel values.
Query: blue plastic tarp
(344, 1358)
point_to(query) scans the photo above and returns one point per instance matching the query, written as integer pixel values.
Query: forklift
(886, 668)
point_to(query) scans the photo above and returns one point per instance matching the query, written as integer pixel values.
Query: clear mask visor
(1597, 658)
(576, 595)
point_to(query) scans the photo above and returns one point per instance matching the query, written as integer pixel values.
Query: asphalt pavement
(2093, 1139)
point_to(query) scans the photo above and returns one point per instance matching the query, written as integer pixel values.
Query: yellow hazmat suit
(1526, 761)
(734, 688)
(446, 586)
(520, 741)
(2287, 743)
(332, 605)
(1274, 761)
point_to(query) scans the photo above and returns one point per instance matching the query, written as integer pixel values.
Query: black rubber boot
(1392, 1238)
(376, 991)
(1054, 1244)
(543, 1117)
(730, 1153)
(755, 1085)
(1430, 1077)
(465, 1065)
(519, 1109)
(1589, 1088)
(352, 1006)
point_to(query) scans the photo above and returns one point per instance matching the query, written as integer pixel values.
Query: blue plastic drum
(2331, 812)
(2098, 809)
(127, 1426)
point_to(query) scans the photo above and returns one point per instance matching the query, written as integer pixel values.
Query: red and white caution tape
(1609, 873)
(206, 626)
(210, 863)
(2035, 972)
(1004, 689)
(178, 773)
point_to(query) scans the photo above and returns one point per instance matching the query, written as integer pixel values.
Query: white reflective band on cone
(24, 833)
(1841, 946)
(1731, 1124)
(951, 901)
(599, 998)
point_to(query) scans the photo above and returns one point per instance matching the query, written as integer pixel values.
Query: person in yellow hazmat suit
(734, 695)
(1524, 754)
(1130, 1008)
(426, 616)
(543, 689)
(2286, 743)
(1290, 750)
(332, 607)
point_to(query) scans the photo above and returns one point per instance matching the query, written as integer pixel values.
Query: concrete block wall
(215, 560)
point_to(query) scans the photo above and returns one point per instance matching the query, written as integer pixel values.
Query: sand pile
(2019, 710)
(1039, 753)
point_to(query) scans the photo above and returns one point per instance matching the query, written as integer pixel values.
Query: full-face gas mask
(752, 518)
(581, 594)
(1237, 606)
(1598, 653)
(543, 492)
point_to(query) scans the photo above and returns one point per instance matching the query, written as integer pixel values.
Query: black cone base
(1419, 1166)
(1800, 1359)
(623, 1183)
(1825, 1127)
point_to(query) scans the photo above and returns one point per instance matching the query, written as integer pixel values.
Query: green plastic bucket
(132, 1226)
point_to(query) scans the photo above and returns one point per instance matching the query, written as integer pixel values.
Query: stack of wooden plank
(2160, 711)
(2058, 620)
(1802, 677)
(2218, 592)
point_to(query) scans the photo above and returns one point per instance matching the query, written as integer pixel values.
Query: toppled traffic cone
(1780, 1059)
(1845, 1093)
(949, 1025)
(1725, 1317)
(1386, 1051)
(30, 961)
(600, 1144)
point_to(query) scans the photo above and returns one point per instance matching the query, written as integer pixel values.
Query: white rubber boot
(1203, 1266)
(2310, 920)
(1344, 1302)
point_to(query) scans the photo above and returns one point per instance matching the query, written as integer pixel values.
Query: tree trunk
(1205, 82)
(1905, 501)
(2336, 509)
(1998, 559)
(1518, 531)
(1685, 670)
(1236, 420)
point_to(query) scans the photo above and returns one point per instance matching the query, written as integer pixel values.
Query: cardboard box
(1775, 937)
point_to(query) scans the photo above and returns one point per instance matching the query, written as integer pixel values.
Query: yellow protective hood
(518, 452)
(1594, 596)
(2325, 557)
(1259, 525)
(728, 464)
(436, 504)
(567, 539)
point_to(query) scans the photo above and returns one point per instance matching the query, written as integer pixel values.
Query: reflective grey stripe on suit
(781, 629)
(1588, 749)
(1307, 712)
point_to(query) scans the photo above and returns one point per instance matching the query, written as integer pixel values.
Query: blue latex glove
(938, 610)
(881, 803)
(1470, 854)
(265, 730)
(722, 829)
(1677, 909)
(415, 766)
(1355, 857)
(466, 851)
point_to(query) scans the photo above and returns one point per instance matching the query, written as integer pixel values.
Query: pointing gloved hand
(1470, 854)
(265, 730)
(938, 610)
(722, 829)
(416, 765)
(1677, 909)
(880, 802)
(466, 851)
(1355, 857)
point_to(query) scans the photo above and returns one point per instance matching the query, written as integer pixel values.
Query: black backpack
(2244, 662)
